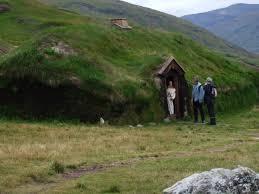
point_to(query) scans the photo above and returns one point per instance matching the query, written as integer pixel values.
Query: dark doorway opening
(172, 71)
(29, 99)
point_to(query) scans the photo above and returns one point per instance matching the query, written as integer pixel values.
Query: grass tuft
(57, 167)
(113, 189)
(81, 186)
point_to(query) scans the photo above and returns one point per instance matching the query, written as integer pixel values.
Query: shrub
(81, 186)
(57, 167)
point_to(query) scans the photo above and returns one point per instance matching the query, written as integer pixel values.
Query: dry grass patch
(35, 153)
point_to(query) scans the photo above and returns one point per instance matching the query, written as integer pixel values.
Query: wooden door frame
(177, 84)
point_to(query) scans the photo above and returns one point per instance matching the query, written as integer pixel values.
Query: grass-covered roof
(106, 61)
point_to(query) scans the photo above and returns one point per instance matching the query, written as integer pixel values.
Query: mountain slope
(148, 18)
(104, 71)
(237, 24)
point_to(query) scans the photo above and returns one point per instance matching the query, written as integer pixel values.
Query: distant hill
(148, 18)
(237, 24)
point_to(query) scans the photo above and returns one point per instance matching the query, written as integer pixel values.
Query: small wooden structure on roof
(121, 23)
(171, 70)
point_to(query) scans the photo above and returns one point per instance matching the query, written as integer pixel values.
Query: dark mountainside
(149, 18)
(238, 24)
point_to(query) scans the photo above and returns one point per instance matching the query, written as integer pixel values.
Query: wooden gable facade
(171, 70)
(121, 23)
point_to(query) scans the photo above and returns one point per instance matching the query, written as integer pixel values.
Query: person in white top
(171, 93)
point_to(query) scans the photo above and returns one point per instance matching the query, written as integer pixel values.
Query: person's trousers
(197, 107)
(211, 111)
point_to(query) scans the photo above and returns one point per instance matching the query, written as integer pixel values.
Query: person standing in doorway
(171, 93)
(198, 98)
(209, 99)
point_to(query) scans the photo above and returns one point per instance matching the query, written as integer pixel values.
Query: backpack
(212, 91)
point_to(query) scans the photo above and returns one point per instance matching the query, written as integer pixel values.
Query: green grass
(148, 18)
(34, 154)
(112, 67)
(113, 72)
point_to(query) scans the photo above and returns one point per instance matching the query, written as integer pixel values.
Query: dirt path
(85, 170)
(162, 155)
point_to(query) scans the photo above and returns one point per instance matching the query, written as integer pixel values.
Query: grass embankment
(112, 68)
(32, 154)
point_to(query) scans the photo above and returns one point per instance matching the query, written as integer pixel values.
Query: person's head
(171, 84)
(196, 80)
(209, 80)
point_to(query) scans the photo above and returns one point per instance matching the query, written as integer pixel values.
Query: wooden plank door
(177, 99)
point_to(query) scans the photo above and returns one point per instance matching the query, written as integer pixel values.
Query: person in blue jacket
(198, 98)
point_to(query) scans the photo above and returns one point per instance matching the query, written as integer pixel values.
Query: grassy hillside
(105, 9)
(108, 72)
(237, 24)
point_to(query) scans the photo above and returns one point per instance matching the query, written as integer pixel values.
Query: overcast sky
(184, 7)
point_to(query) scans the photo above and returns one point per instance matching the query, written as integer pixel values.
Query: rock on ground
(63, 49)
(3, 50)
(241, 180)
(102, 121)
(167, 120)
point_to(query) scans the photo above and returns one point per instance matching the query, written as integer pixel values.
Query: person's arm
(215, 92)
(193, 92)
(202, 94)
(174, 94)
(168, 93)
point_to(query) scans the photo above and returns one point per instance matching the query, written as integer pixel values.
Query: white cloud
(184, 7)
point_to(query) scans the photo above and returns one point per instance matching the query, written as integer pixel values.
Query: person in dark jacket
(209, 99)
(197, 98)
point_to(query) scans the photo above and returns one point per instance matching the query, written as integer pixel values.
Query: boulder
(4, 7)
(218, 181)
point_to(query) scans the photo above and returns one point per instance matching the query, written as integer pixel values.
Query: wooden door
(177, 98)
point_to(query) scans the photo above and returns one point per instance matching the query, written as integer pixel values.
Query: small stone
(140, 126)
(131, 126)
(63, 49)
(167, 120)
(152, 124)
(102, 121)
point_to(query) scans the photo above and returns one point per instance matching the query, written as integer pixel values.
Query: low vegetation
(111, 159)
(66, 68)
(141, 16)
